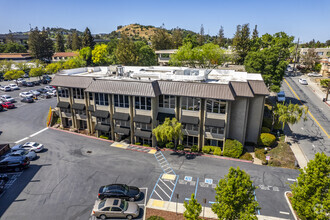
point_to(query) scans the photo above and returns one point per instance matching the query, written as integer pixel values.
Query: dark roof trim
(63, 105)
(242, 89)
(71, 81)
(101, 114)
(258, 87)
(161, 116)
(218, 123)
(100, 127)
(121, 116)
(121, 131)
(78, 106)
(143, 134)
(189, 120)
(142, 119)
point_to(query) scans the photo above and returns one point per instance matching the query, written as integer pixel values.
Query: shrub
(137, 143)
(194, 148)
(154, 217)
(217, 151)
(246, 156)
(324, 82)
(267, 122)
(207, 149)
(260, 153)
(265, 130)
(104, 137)
(275, 163)
(233, 148)
(170, 145)
(180, 147)
(266, 139)
(146, 145)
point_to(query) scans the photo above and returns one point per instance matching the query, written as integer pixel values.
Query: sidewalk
(298, 153)
(317, 90)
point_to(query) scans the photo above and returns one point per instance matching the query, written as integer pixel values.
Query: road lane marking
(294, 180)
(308, 110)
(21, 140)
(196, 187)
(284, 213)
(32, 135)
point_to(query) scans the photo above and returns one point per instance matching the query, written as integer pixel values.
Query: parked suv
(14, 163)
(281, 96)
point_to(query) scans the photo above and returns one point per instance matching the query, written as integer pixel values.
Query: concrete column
(111, 109)
(154, 113)
(201, 124)
(89, 126)
(227, 122)
(131, 115)
(245, 120)
(73, 116)
(60, 113)
(178, 111)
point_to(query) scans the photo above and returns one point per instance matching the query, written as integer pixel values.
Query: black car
(42, 90)
(1, 108)
(36, 83)
(122, 191)
(27, 100)
(14, 163)
(29, 84)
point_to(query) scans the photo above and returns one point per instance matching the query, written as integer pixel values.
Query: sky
(303, 19)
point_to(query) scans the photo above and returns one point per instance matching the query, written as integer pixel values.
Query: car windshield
(280, 95)
(101, 204)
(35, 145)
(123, 205)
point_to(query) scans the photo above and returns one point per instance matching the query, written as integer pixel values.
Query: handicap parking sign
(209, 181)
(187, 178)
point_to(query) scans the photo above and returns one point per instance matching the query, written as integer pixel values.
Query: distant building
(325, 69)
(18, 38)
(62, 56)
(164, 56)
(18, 57)
(321, 52)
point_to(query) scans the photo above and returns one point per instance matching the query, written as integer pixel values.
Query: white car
(13, 87)
(5, 88)
(314, 75)
(33, 146)
(52, 92)
(26, 95)
(34, 92)
(50, 88)
(302, 81)
(7, 98)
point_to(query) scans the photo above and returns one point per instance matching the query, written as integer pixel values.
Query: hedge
(194, 148)
(154, 217)
(246, 156)
(217, 151)
(170, 145)
(260, 153)
(233, 148)
(208, 149)
(180, 147)
(266, 139)
(265, 130)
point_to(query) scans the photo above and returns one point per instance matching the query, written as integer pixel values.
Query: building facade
(126, 103)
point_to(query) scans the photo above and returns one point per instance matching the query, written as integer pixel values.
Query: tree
(53, 68)
(270, 59)
(87, 39)
(72, 63)
(12, 47)
(146, 56)
(86, 54)
(59, 46)
(40, 45)
(290, 114)
(201, 38)
(168, 131)
(310, 59)
(76, 41)
(221, 37)
(69, 42)
(193, 209)
(14, 74)
(37, 72)
(235, 196)
(241, 42)
(161, 40)
(125, 52)
(255, 33)
(311, 195)
(5, 66)
(177, 38)
(100, 54)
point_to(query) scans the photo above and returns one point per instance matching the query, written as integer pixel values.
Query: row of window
(121, 101)
(166, 101)
(101, 99)
(143, 103)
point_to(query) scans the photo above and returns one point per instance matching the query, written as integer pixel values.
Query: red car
(8, 105)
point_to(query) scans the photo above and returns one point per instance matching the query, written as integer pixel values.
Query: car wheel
(103, 217)
(129, 217)
(131, 199)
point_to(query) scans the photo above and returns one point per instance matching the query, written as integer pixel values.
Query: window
(104, 121)
(90, 96)
(143, 103)
(116, 209)
(83, 124)
(101, 99)
(211, 142)
(144, 141)
(106, 209)
(191, 104)
(166, 101)
(63, 92)
(190, 140)
(78, 93)
(143, 126)
(214, 130)
(190, 127)
(66, 110)
(120, 123)
(121, 101)
(80, 112)
(216, 106)
(320, 53)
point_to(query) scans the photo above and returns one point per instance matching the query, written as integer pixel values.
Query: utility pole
(295, 59)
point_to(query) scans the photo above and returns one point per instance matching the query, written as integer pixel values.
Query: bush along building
(126, 103)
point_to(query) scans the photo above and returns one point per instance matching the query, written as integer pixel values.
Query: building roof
(65, 54)
(258, 87)
(71, 81)
(242, 89)
(15, 55)
(171, 51)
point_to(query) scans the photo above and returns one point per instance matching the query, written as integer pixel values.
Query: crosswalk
(164, 163)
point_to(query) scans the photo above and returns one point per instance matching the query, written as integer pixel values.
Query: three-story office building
(128, 102)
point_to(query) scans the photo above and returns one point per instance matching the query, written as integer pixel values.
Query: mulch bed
(167, 215)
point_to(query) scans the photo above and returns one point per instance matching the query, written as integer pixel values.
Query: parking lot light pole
(204, 201)
(176, 208)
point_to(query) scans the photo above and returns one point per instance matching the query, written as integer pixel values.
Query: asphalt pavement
(312, 135)
(63, 183)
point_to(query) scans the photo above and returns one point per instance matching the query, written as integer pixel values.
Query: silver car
(22, 152)
(7, 98)
(116, 208)
(34, 92)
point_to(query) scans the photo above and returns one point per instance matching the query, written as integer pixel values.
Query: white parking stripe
(21, 140)
(38, 132)
(164, 191)
(284, 213)
(158, 195)
(294, 180)
(166, 185)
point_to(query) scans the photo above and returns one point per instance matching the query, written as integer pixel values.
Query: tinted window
(116, 209)
(106, 209)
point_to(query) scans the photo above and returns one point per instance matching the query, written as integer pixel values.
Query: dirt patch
(167, 215)
(282, 156)
(290, 195)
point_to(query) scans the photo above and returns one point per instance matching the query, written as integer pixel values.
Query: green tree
(12, 47)
(190, 39)
(76, 41)
(168, 131)
(86, 54)
(87, 39)
(23, 66)
(201, 37)
(14, 74)
(177, 38)
(59, 46)
(290, 114)
(161, 40)
(311, 194)
(235, 196)
(221, 37)
(193, 209)
(310, 59)
(146, 56)
(255, 33)
(100, 54)
(40, 45)
(270, 59)
(53, 68)
(125, 51)
(241, 42)
(72, 63)
(69, 42)
(37, 72)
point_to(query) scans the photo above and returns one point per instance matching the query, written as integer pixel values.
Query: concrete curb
(289, 204)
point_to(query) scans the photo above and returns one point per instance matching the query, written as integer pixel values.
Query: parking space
(12, 177)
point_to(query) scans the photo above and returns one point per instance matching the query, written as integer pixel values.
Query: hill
(137, 31)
